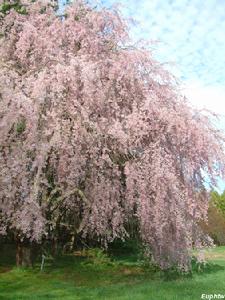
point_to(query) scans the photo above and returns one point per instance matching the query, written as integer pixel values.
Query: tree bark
(19, 254)
(55, 246)
(23, 254)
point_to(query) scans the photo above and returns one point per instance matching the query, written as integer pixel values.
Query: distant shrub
(97, 257)
(219, 201)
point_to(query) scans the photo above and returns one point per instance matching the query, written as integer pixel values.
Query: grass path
(76, 278)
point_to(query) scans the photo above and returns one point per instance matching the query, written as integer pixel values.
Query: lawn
(78, 277)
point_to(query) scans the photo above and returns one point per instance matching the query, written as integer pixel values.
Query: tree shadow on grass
(7, 258)
(207, 268)
(199, 269)
(123, 268)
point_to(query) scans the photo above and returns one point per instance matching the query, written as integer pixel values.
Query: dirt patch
(215, 255)
(4, 269)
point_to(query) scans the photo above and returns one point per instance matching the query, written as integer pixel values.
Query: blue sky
(191, 36)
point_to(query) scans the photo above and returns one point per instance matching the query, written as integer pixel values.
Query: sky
(190, 35)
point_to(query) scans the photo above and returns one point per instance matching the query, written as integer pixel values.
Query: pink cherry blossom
(94, 127)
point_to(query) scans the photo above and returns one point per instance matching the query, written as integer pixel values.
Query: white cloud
(209, 97)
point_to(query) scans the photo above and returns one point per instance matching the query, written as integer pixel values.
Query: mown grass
(76, 277)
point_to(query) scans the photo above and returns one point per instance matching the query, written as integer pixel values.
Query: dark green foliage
(21, 126)
(219, 200)
(7, 6)
(98, 257)
(215, 226)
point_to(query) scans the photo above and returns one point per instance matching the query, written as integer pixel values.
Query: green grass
(76, 277)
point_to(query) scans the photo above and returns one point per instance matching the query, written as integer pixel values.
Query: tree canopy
(94, 132)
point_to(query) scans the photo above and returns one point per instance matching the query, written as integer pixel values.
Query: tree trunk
(72, 241)
(55, 246)
(18, 254)
(23, 254)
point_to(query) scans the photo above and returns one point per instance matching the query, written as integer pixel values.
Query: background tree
(219, 201)
(94, 133)
(215, 224)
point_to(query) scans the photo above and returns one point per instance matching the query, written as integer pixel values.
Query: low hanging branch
(59, 200)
